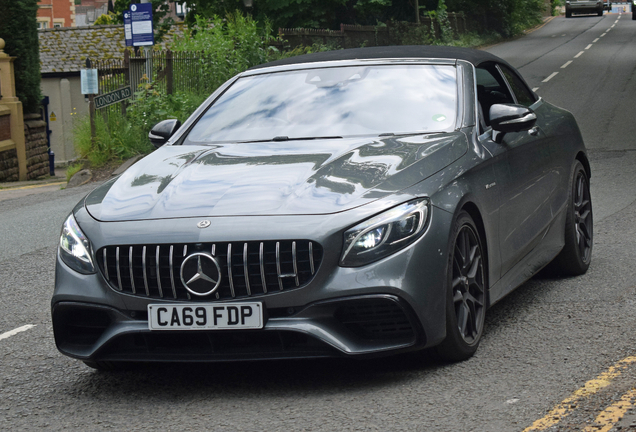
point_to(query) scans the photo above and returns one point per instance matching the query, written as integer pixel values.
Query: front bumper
(364, 325)
(400, 300)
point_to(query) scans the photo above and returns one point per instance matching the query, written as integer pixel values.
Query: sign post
(90, 87)
(142, 31)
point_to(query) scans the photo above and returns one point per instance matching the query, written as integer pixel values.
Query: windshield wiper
(286, 138)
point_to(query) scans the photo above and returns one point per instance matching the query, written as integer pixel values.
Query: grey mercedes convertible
(351, 203)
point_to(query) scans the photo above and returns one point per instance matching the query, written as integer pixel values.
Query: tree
(18, 28)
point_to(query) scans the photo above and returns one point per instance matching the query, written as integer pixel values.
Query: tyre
(466, 284)
(568, 14)
(576, 255)
(600, 13)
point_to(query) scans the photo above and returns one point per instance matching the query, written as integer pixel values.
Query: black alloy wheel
(466, 308)
(583, 216)
(576, 255)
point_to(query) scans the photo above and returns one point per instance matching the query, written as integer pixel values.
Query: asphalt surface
(542, 344)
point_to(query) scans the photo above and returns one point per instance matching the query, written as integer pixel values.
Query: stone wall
(9, 165)
(37, 152)
(36, 147)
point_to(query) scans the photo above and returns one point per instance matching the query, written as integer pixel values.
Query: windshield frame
(181, 137)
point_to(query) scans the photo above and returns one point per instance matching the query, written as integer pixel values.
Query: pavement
(17, 189)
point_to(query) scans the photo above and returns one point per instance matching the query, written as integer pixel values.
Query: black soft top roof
(476, 57)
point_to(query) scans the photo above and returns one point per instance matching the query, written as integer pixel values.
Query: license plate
(225, 316)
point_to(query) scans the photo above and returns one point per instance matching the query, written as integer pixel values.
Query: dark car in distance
(351, 203)
(585, 7)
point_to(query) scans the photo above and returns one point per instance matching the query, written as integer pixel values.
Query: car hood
(274, 178)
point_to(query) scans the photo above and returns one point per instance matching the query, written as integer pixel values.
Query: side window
(491, 89)
(522, 92)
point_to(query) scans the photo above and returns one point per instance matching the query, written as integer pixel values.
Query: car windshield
(332, 103)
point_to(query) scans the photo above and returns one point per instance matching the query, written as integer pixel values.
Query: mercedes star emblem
(201, 274)
(204, 224)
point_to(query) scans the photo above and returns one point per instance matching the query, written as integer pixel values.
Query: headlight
(75, 249)
(385, 233)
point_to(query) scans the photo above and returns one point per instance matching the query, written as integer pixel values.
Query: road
(542, 344)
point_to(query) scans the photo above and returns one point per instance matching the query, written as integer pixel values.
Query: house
(63, 54)
(56, 14)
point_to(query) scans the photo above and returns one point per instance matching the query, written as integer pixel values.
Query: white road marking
(595, 40)
(579, 54)
(589, 46)
(567, 64)
(535, 89)
(603, 34)
(550, 77)
(16, 331)
(563, 35)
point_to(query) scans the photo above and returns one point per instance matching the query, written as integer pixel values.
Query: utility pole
(417, 11)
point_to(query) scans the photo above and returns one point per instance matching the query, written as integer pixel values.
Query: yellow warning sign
(52, 117)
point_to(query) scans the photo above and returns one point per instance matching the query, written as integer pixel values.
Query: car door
(523, 171)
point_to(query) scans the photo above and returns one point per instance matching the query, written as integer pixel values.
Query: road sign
(113, 97)
(141, 24)
(128, 28)
(88, 81)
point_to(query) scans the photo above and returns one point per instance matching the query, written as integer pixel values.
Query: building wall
(66, 106)
(56, 13)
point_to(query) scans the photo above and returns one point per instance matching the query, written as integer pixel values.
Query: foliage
(149, 107)
(116, 139)
(229, 46)
(505, 17)
(72, 170)
(120, 137)
(18, 28)
(106, 19)
(555, 5)
(446, 32)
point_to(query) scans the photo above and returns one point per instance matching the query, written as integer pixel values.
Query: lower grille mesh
(247, 268)
(375, 319)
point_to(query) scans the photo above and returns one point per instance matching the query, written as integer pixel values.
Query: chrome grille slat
(229, 268)
(261, 263)
(280, 280)
(174, 290)
(248, 268)
(158, 272)
(216, 294)
(295, 265)
(130, 269)
(106, 265)
(143, 262)
(311, 257)
(118, 270)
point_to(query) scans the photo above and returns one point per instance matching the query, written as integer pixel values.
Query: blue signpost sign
(141, 24)
(128, 28)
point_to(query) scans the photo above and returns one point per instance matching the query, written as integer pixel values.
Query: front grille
(375, 319)
(246, 268)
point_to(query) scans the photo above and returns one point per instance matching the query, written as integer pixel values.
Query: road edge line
(564, 408)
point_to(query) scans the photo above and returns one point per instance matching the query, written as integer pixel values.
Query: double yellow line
(606, 419)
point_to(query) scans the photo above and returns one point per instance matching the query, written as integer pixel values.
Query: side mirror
(162, 131)
(511, 118)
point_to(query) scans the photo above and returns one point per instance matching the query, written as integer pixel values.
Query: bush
(229, 46)
(18, 28)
